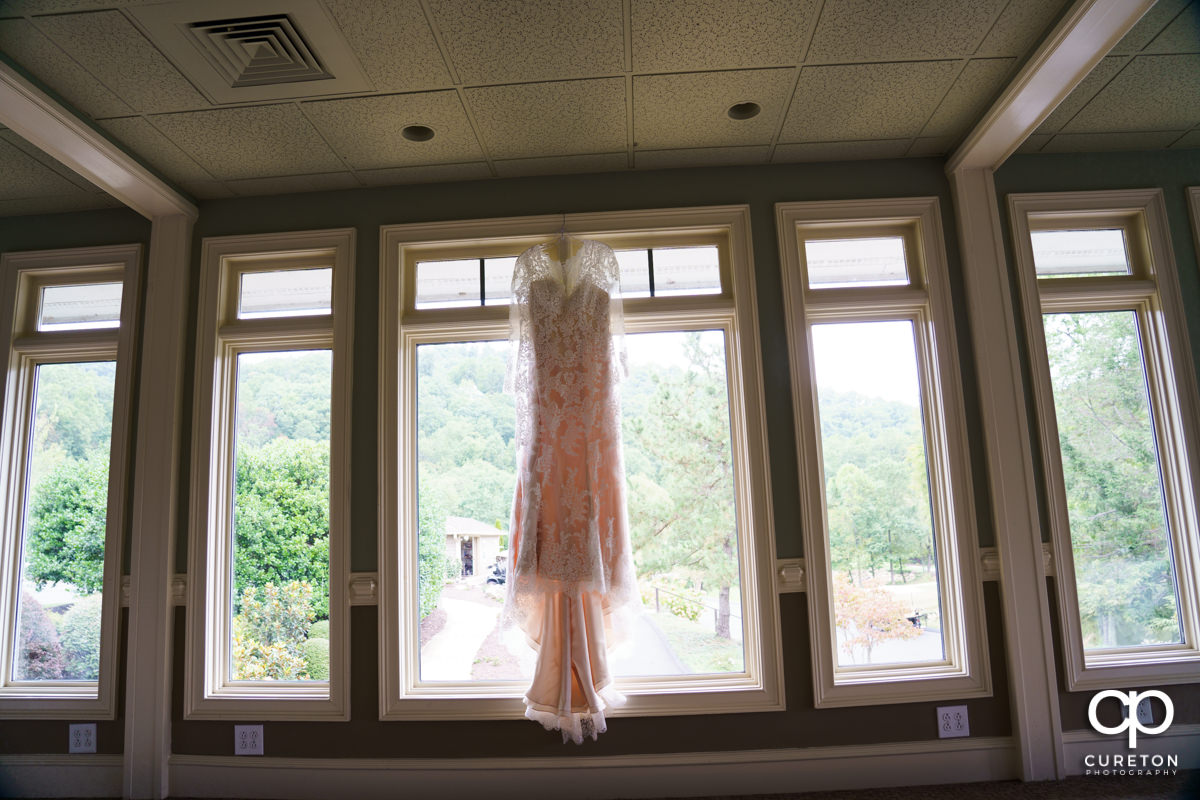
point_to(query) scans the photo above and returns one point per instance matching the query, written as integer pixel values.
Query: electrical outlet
(82, 738)
(247, 740)
(952, 721)
(1145, 714)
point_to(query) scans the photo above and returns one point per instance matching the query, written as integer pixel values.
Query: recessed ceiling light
(417, 133)
(744, 110)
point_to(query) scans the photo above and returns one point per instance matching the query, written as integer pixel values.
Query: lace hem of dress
(576, 725)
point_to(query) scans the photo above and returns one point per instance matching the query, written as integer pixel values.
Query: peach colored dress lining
(570, 565)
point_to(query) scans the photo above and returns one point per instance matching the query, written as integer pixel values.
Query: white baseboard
(60, 776)
(667, 775)
(1180, 740)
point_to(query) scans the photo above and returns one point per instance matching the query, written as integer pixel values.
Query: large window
(691, 429)
(894, 603)
(1115, 394)
(268, 599)
(66, 416)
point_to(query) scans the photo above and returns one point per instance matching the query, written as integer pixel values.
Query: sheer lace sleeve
(602, 262)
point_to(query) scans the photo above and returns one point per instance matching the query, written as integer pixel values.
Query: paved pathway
(470, 618)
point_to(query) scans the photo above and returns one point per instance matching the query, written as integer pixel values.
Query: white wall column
(152, 544)
(1033, 687)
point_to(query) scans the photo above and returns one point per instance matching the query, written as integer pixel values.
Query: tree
(1111, 475)
(281, 517)
(682, 515)
(67, 524)
(866, 615)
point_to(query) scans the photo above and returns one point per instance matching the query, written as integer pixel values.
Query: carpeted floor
(1184, 786)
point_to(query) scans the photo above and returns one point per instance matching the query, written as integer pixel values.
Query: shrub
(280, 615)
(39, 656)
(316, 656)
(676, 595)
(319, 629)
(80, 636)
(432, 569)
(269, 633)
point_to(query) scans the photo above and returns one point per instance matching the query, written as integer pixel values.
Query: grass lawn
(697, 647)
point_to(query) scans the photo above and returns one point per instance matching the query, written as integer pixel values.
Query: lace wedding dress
(570, 567)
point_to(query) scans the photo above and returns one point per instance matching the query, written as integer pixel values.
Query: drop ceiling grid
(978, 38)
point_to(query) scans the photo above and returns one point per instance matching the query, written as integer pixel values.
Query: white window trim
(965, 671)
(208, 691)
(23, 275)
(760, 687)
(1153, 291)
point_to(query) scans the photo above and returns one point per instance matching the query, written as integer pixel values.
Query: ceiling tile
(561, 165)
(366, 130)
(109, 47)
(531, 41)
(1093, 82)
(841, 151)
(1181, 36)
(977, 85)
(691, 110)
(26, 45)
(1021, 26)
(1149, 26)
(1094, 142)
(143, 139)
(295, 184)
(867, 30)
(681, 35)
(1189, 139)
(48, 161)
(1034, 143)
(83, 201)
(701, 157)
(931, 146)
(250, 142)
(437, 173)
(548, 119)
(23, 176)
(1153, 93)
(866, 101)
(394, 43)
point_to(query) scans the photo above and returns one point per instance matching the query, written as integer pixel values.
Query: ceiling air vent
(258, 51)
(251, 51)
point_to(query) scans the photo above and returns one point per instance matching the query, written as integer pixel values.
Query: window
(63, 466)
(889, 527)
(1116, 413)
(694, 460)
(267, 614)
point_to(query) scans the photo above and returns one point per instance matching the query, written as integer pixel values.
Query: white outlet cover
(1145, 714)
(82, 738)
(247, 740)
(952, 722)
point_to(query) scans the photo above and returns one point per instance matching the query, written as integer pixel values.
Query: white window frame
(759, 687)
(1152, 291)
(964, 671)
(209, 691)
(24, 275)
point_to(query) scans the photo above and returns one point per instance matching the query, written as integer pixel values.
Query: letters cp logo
(1131, 722)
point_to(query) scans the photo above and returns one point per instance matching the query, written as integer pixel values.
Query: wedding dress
(570, 566)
